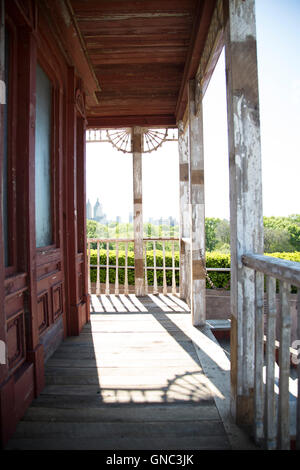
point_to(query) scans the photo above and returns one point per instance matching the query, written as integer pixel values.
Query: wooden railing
(152, 244)
(272, 416)
(117, 243)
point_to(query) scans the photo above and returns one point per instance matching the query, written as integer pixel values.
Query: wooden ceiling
(141, 53)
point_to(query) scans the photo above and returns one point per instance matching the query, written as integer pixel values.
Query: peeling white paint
(197, 207)
(2, 353)
(242, 18)
(245, 184)
(2, 92)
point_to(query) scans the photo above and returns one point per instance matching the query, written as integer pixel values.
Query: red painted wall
(37, 306)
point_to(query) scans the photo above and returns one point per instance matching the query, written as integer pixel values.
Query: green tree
(92, 229)
(294, 233)
(282, 233)
(276, 240)
(223, 232)
(210, 233)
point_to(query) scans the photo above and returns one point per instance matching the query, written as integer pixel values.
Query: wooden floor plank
(136, 443)
(123, 414)
(131, 380)
(95, 401)
(110, 430)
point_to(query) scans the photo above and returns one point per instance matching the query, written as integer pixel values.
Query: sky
(109, 172)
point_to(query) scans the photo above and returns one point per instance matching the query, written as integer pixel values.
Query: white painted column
(246, 216)
(184, 207)
(197, 209)
(137, 136)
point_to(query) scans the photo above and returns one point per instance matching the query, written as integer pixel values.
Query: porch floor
(131, 380)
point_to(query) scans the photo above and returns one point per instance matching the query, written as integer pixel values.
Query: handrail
(284, 270)
(110, 240)
(155, 268)
(272, 429)
(126, 267)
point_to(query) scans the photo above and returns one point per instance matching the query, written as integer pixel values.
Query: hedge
(130, 261)
(214, 259)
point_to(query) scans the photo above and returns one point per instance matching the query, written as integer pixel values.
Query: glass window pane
(43, 193)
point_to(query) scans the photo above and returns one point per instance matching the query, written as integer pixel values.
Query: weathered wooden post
(197, 209)
(137, 136)
(71, 242)
(246, 217)
(81, 209)
(184, 220)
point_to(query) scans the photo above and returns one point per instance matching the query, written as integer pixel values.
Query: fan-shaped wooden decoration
(152, 139)
(120, 139)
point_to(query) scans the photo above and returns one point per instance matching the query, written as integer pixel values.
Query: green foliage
(216, 259)
(282, 233)
(120, 230)
(150, 262)
(223, 232)
(295, 256)
(92, 228)
(294, 232)
(276, 240)
(225, 248)
(210, 233)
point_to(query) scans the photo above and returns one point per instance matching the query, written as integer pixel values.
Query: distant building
(99, 216)
(89, 210)
(130, 217)
(164, 221)
(172, 221)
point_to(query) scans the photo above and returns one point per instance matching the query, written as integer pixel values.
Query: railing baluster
(164, 269)
(98, 271)
(117, 270)
(173, 270)
(155, 290)
(107, 269)
(259, 357)
(284, 369)
(146, 270)
(126, 269)
(298, 368)
(270, 422)
(89, 268)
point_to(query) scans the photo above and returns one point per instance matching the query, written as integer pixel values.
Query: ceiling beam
(163, 120)
(202, 21)
(91, 7)
(63, 24)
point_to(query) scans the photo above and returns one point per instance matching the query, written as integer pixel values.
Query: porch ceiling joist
(105, 122)
(142, 53)
(202, 21)
(64, 27)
